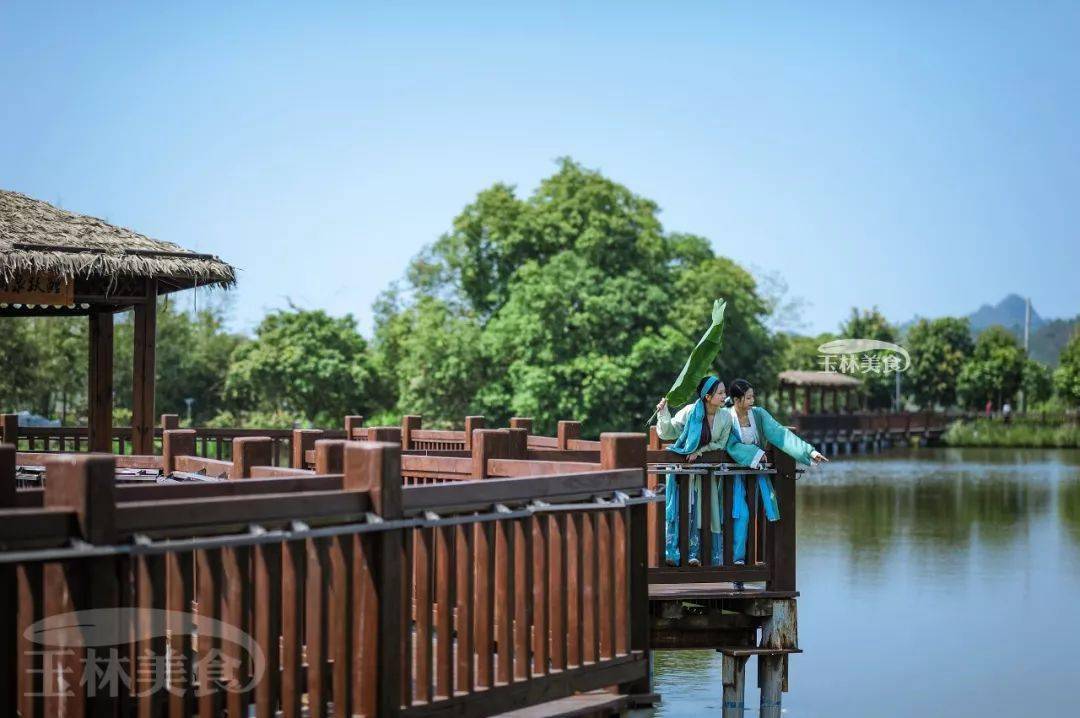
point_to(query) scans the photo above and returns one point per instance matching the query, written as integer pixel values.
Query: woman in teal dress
(699, 427)
(752, 429)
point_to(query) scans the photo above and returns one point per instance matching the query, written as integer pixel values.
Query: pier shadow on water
(933, 582)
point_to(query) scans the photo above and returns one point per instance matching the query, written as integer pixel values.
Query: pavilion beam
(100, 384)
(142, 393)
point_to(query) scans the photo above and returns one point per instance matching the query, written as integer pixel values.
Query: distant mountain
(1009, 313)
(1048, 336)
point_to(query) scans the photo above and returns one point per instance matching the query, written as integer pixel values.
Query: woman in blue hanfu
(752, 429)
(697, 428)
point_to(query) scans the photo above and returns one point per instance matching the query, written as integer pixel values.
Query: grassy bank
(996, 433)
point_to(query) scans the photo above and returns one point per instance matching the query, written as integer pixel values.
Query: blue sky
(921, 157)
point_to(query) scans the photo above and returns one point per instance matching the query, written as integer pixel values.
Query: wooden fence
(363, 594)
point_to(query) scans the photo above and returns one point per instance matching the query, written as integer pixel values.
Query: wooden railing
(363, 596)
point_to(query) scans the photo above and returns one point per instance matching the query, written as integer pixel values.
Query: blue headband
(708, 386)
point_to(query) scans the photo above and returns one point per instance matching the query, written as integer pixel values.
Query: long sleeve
(668, 427)
(743, 454)
(783, 438)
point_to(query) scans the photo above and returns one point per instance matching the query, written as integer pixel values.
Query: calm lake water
(934, 582)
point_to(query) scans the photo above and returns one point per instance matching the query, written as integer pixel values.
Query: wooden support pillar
(771, 683)
(734, 679)
(303, 440)
(352, 423)
(472, 423)
(821, 400)
(329, 456)
(487, 444)
(248, 451)
(9, 429)
(408, 423)
(10, 666)
(780, 535)
(628, 451)
(567, 432)
(174, 443)
(143, 373)
(170, 421)
(806, 400)
(100, 382)
(654, 439)
(86, 485)
(375, 467)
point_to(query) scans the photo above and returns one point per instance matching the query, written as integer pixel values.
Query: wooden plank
(365, 638)
(590, 586)
(518, 467)
(464, 603)
(267, 619)
(445, 574)
(523, 593)
(668, 591)
(557, 590)
(208, 569)
(620, 588)
(541, 593)
(423, 682)
(293, 586)
(235, 610)
(470, 494)
(504, 599)
(436, 464)
(150, 594)
(574, 587)
(340, 622)
(484, 614)
(180, 594)
(315, 627)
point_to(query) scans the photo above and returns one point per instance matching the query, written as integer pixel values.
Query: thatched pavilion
(56, 263)
(825, 383)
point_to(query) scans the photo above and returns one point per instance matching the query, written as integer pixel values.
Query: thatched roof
(36, 237)
(827, 379)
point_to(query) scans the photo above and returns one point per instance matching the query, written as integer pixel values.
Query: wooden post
(375, 467)
(174, 443)
(771, 683)
(806, 400)
(303, 440)
(329, 456)
(100, 383)
(142, 389)
(86, 485)
(781, 534)
(9, 430)
(170, 421)
(517, 443)
(352, 422)
(734, 678)
(567, 431)
(487, 444)
(628, 451)
(521, 422)
(248, 451)
(408, 423)
(472, 423)
(654, 439)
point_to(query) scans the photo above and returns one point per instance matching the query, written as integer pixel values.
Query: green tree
(879, 387)
(571, 303)
(1067, 375)
(304, 364)
(1037, 382)
(994, 370)
(18, 365)
(192, 355)
(939, 348)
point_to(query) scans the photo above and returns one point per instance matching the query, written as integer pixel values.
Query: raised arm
(669, 427)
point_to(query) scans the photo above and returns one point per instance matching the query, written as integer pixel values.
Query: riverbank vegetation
(988, 432)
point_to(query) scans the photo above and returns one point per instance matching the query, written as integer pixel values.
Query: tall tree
(878, 383)
(1067, 375)
(571, 303)
(939, 348)
(304, 364)
(994, 370)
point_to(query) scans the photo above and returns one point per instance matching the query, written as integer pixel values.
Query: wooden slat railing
(515, 590)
